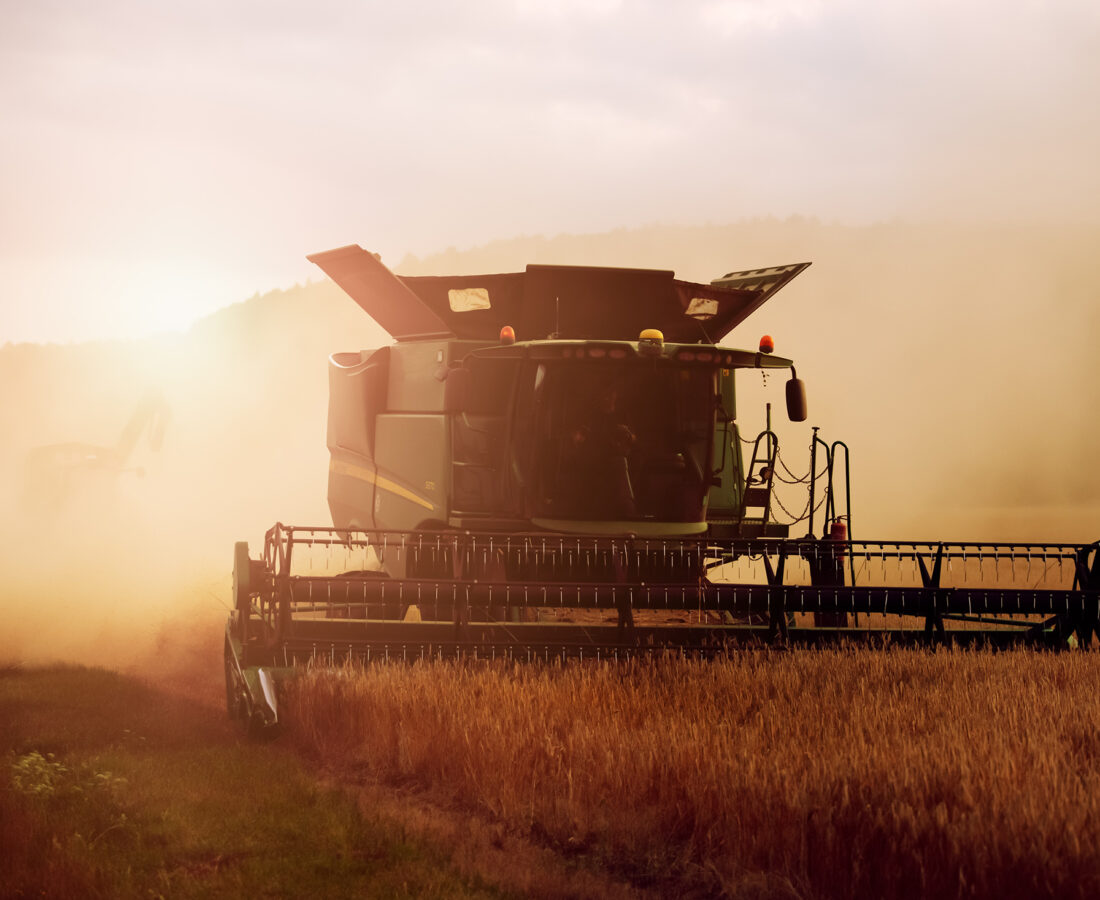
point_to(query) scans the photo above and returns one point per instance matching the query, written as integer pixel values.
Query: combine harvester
(57, 473)
(547, 465)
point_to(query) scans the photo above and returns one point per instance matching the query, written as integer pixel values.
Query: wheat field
(818, 773)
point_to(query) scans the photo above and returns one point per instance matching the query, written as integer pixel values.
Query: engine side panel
(412, 481)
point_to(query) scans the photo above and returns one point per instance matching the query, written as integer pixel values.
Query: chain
(805, 509)
(794, 479)
(797, 480)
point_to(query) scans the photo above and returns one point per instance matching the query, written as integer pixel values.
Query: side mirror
(456, 389)
(796, 398)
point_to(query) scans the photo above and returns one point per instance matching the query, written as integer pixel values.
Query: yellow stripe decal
(351, 470)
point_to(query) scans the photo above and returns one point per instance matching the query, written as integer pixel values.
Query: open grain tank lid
(573, 302)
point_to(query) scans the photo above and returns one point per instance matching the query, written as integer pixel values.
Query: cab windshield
(616, 441)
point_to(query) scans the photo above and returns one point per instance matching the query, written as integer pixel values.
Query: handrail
(813, 477)
(772, 444)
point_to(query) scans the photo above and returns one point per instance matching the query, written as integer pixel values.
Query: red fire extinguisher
(839, 532)
(838, 536)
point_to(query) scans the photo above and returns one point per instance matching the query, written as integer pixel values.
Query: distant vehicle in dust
(56, 473)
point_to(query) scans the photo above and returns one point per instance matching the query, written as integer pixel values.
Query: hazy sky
(162, 159)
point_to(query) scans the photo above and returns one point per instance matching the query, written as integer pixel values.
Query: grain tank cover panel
(380, 293)
(569, 302)
(763, 283)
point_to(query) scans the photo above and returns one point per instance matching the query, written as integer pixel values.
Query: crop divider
(934, 631)
(777, 599)
(1086, 579)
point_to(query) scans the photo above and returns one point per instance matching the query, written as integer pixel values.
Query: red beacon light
(507, 335)
(767, 345)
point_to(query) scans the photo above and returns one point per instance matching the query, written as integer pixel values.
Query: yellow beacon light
(651, 341)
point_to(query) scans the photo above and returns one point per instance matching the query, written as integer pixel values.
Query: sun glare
(166, 296)
(118, 299)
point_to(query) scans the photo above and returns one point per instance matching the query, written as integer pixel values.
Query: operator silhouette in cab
(602, 442)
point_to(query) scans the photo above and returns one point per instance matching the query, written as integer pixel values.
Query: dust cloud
(956, 362)
(105, 563)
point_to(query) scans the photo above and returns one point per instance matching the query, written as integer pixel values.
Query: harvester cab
(547, 465)
(612, 413)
